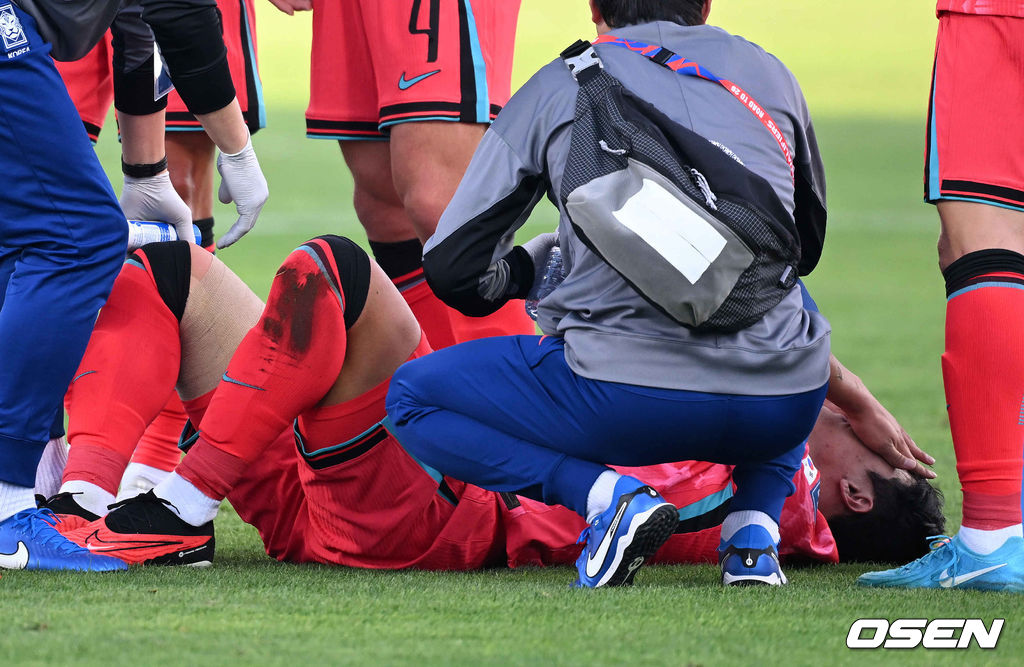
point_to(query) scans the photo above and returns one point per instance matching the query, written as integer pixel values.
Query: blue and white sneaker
(29, 541)
(950, 564)
(750, 558)
(625, 535)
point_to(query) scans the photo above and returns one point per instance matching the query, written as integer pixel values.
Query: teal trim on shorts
(974, 200)
(483, 101)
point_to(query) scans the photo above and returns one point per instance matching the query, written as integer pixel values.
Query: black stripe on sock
(966, 270)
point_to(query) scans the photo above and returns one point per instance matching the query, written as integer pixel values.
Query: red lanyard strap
(681, 65)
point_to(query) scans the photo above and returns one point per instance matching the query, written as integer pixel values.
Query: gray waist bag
(694, 232)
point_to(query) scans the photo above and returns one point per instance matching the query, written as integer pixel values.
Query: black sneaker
(144, 530)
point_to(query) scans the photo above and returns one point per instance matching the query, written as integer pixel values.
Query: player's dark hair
(897, 528)
(618, 13)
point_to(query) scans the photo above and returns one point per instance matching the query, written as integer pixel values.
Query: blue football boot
(750, 558)
(625, 535)
(950, 564)
(29, 540)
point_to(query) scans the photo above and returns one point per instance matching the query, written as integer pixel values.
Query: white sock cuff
(736, 520)
(14, 499)
(984, 542)
(51, 467)
(188, 502)
(89, 496)
(601, 494)
(139, 478)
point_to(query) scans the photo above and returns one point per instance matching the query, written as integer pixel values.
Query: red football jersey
(537, 534)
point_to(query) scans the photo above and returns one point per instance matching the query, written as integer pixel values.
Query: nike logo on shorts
(17, 560)
(404, 84)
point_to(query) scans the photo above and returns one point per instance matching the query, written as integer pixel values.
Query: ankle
(740, 519)
(88, 496)
(188, 502)
(984, 542)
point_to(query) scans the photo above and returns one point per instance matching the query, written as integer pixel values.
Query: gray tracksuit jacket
(612, 333)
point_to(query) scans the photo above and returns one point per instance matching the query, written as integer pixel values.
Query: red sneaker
(144, 530)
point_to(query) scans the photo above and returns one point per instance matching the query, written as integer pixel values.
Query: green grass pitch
(865, 74)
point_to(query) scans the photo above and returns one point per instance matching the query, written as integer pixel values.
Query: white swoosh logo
(17, 560)
(953, 582)
(606, 543)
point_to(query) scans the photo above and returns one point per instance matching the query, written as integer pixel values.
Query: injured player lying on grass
(289, 402)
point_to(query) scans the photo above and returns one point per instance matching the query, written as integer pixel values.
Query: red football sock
(125, 378)
(285, 365)
(446, 326)
(158, 447)
(509, 320)
(983, 371)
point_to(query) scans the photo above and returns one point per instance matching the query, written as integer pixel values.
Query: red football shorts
(341, 490)
(91, 84)
(975, 144)
(375, 64)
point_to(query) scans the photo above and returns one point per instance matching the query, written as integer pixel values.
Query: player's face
(844, 462)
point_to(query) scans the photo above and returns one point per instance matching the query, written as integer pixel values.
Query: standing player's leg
(392, 238)
(190, 160)
(402, 187)
(975, 174)
(62, 237)
(436, 101)
(344, 64)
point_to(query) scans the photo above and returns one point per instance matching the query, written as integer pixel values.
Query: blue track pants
(62, 242)
(508, 414)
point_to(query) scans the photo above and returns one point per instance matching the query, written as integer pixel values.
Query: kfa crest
(10, 28)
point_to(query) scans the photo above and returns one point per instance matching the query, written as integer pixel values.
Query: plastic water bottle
(553, 277)
(141, 232)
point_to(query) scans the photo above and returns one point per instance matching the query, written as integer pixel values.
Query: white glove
(241, 181)
(154, 198)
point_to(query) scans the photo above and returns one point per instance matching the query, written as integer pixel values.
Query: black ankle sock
(399, 258)
(205, 226)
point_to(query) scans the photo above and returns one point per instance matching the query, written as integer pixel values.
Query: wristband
(143, 170)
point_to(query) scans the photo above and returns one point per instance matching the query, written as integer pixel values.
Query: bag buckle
(580, 57)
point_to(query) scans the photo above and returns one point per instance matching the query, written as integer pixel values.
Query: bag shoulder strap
(684, 67)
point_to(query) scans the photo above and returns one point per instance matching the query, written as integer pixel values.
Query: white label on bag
(673, 229)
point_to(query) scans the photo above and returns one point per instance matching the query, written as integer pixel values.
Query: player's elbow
(457, 285)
